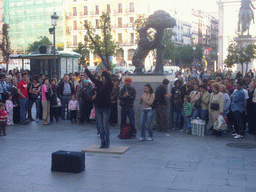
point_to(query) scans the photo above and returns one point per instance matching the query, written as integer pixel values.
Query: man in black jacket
(161, 106)
(127, 97)
(65, 90)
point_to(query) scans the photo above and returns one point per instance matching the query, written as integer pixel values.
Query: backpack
(126, 132)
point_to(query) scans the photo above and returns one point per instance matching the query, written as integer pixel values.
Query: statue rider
(144, 46)
(245, 15)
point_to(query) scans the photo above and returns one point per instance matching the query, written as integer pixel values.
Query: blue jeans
(102, 118)
(31, 102)
(130, 113)
(64, 102)
(202, 114)
(23, 110)
(147, 116)
(176, 119)
(187, 123)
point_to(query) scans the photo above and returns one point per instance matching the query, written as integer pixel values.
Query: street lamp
(54, 18)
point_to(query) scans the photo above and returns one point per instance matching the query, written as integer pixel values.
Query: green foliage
(5, 44)
(102, 45)
(187, 55)
(169, 51)
(241, 55)
(141, 22)
(82, 49)
(199, 53)
(60, 46)
(42, 41)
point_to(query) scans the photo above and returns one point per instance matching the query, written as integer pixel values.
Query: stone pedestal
(138, 82)
(244, 41)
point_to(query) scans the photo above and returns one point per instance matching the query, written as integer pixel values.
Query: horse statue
(246, 15)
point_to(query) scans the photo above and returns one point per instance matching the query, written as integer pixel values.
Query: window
(131, 8)
(108, 8)
(119, 22)
(131, 20)
(97, 11)
(120, 38)
(74, 11)
(85, 10)
(74, 40)
(97, 23)
(132, 38)
(74, 25)
(120, 8)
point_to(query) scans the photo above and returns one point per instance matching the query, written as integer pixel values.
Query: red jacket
(3, 115)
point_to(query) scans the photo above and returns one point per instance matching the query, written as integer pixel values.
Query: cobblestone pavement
(180, 162)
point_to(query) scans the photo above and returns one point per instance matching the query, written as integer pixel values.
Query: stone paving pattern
(181, 162)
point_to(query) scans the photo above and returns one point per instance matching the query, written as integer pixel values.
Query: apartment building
(123, 15)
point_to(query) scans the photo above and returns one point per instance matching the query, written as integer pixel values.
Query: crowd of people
(85, 97)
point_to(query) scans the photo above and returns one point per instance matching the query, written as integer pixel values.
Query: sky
(205, 5)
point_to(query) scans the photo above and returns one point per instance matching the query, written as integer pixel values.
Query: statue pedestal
(244, 41)
(138, 82)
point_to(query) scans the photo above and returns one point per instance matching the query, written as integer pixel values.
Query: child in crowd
(187, 112)
(9, 108)
(3, 117)
(73, 107)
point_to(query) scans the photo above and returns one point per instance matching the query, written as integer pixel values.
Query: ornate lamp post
(54, 18)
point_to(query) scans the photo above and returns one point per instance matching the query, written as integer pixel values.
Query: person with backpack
(148, 112)
(127, 97)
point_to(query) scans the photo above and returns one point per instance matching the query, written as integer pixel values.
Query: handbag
(214, 106)
(49, 94)
(198, 103)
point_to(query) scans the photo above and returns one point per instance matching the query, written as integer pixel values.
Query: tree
(103, 45)
(241, 55)
(5, 45)
(199, 53)
(82, 49)
(186, 55)
(42, 41)
(169, 51)
(141, 22)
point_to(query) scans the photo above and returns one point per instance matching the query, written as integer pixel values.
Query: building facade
(29, 20)
(1, 25)
(123, 15)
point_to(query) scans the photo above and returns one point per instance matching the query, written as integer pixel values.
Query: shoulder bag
(214, 106)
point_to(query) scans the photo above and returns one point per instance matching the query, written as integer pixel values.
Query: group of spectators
(232, 98)
(86, 97)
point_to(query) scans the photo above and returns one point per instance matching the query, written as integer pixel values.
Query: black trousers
(85, 111)
(16, 115)
(236, 120)
(55, 113)
(251, 115)
(73, 115)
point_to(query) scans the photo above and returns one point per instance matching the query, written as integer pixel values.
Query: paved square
(179, 163)
(112, 149)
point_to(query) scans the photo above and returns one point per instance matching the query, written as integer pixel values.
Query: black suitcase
(68, 161)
